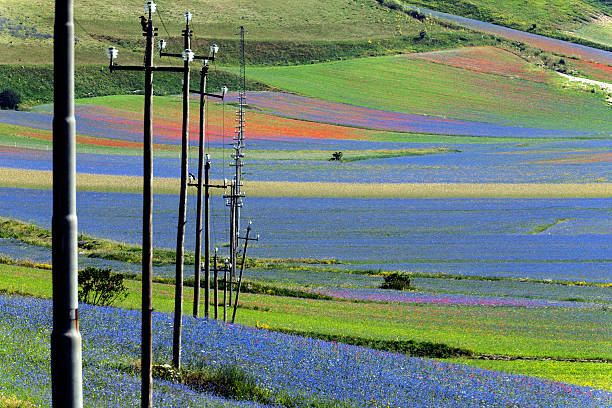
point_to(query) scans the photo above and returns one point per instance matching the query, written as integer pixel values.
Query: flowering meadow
(411, 85)
(595, 70)
(316, 110)
(560, 239)
(449, 298)
(312, 372)
(487, 60)
(509, 278)
(555, 162)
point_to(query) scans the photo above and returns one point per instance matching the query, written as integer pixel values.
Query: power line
(159, 13)
(83, 28)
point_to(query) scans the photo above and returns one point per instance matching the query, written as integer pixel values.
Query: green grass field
(590, 374)
(599, 31)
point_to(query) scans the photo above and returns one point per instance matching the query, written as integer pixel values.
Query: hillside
(279, 33)
(282, 32)
(573, 20)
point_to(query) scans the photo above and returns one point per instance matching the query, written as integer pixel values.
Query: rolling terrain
(467, 164)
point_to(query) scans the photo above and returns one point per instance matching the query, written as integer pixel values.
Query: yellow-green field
(18, 178)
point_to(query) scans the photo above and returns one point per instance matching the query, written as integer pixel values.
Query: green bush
(101, 287)
(336, 156)
(397, 281)
(9, 99)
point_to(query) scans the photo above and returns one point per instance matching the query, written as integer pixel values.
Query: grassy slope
(488, 330)
(281, 30)
(267, 19)
(596, 32)
(403, 84)
(293, 20)
(564, 19)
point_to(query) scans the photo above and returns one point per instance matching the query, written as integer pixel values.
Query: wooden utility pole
(226, 268)
(216, 286)
(180, 234)
(147, 199)
(198, 246)
(246, 245)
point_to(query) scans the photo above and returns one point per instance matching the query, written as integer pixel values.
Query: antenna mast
(239, 145)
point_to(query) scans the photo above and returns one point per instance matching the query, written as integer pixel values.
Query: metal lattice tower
(235, 198)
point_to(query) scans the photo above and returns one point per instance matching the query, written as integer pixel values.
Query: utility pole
(233, 234)
(198, 257)
(147, 198)
(226, 268)
(216, 285)
(187, 56)
(66, 359)
(198, 245)
(246, 245)
(238, 155)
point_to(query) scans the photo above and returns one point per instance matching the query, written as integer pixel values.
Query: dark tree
(9, 99)
(397, 281)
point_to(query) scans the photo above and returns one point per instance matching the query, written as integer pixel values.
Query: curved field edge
(40, 179)
(403, 84)
(35, 83)
(273, 313)
(597, 375)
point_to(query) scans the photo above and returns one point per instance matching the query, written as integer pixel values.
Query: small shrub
(397, 281)
(336, 156)
(165, 372)
(422, 35)
(101, 287)
(13, 402)
(9, 99)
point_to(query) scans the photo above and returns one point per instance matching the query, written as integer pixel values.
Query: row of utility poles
(202, 182)
(66, 366)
